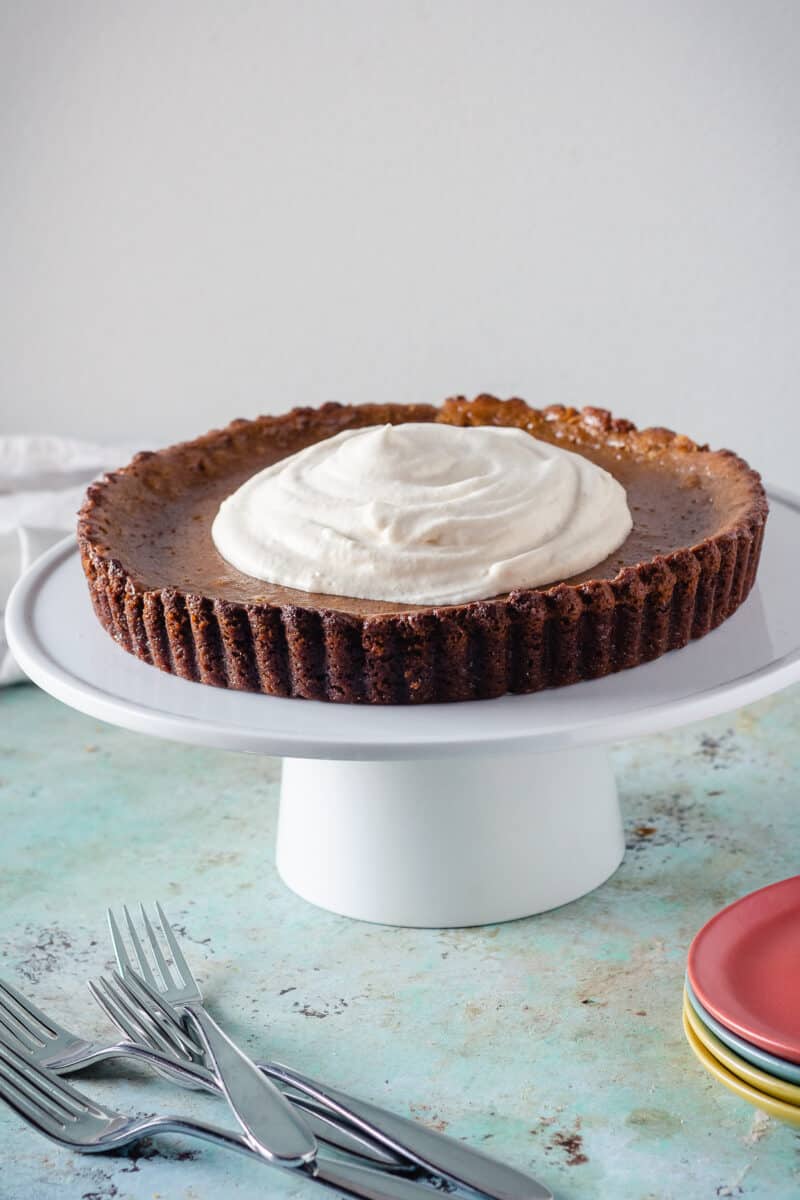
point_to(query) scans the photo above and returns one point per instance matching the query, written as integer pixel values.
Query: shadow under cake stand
(438, 814)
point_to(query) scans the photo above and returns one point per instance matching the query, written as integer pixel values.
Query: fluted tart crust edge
(523, 642)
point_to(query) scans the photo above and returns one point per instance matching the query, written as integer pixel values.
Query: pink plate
(744, 966)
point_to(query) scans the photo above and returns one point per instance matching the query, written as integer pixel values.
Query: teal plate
(753, 1054)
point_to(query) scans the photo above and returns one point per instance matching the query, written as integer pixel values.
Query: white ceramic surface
(449, 841)
(57, 640)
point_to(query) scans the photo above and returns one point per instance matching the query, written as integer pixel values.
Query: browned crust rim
(529, 640)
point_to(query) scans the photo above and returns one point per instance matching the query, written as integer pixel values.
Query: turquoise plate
(754, 1054)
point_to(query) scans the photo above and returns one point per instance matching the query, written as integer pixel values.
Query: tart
(163, 592)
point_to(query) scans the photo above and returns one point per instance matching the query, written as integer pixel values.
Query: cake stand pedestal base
(450, 841)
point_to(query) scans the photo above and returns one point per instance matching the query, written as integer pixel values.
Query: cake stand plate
(441, 814)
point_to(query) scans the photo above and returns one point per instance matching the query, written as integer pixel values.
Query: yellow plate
(789, 1113)
(781, 1089)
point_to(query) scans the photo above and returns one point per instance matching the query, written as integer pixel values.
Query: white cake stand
(445, 814)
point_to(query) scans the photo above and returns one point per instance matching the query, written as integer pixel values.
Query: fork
(60, 1112)
(59, 1050)
(282, 1132)
(250, 1095)
(48, 1044)
(437, 1155)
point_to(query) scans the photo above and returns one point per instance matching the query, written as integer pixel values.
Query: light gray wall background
(209, 210)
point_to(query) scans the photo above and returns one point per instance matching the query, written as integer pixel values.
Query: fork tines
(119, 1002)
(39, 1095)
(22, 1020)
(179, 963)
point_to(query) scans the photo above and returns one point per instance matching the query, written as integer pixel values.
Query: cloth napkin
(42, 484)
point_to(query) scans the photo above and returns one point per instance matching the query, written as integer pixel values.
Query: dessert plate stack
(741, 1005)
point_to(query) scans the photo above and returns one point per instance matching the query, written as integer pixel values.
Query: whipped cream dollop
(423, 514)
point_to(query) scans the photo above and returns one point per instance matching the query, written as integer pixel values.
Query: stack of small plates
(741, 1006)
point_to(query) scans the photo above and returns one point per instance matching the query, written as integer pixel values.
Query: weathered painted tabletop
(554, 1042)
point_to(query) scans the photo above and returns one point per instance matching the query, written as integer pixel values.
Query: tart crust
(289, 643)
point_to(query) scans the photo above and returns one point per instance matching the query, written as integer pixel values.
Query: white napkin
(43, 480)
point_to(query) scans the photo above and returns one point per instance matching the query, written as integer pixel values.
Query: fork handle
(322, 1120)
(270, 1123)
(434, 1152)
(368, 1184)
(361, 1182)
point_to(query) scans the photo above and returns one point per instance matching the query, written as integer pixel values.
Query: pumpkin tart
(163, 592)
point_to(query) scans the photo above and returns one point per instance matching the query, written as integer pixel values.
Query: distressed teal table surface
(554, 1042)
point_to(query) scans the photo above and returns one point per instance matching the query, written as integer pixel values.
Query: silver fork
(281, 1130)
(438, 1156)
(48, 1044)
(250, 1095)
(60, 1112)
(56, 1048)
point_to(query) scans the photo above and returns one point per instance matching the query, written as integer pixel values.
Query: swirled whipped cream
(423, 514)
